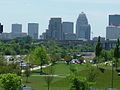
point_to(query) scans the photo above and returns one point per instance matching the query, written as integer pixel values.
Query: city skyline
(25, 11)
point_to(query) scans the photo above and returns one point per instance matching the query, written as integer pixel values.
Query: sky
(40, 11)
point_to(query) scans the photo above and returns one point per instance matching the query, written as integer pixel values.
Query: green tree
(81, 59)
(68, 59)
(63, 54)
(117, 52)
(55, 58)
(98, 48)
(49, 76)
(10, 81)
(40, 57)
(27, 73)
(78, 84)
(91, 75)
(74, 56)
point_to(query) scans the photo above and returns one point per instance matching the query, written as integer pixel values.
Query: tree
(40, 57)
(81, 59)
(10, 81)
(63, 54)
(91, 75)
(55, 58)
(27, 73)
(78, 84)
(74, 56)
(117, 52)
(98, 48)
(49, 76)
(68, 59)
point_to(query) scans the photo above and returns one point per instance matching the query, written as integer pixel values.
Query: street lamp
(112, 75)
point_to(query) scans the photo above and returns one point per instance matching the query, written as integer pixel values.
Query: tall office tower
(55, 27)
(114, 20)
(112, 32)
(33, 30)
(16, 28)
(67, 27)
(1, 28)
(83, 29)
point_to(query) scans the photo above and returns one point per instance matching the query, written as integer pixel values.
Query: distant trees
(10, 81)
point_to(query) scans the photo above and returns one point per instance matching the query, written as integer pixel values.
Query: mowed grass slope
(103, 80)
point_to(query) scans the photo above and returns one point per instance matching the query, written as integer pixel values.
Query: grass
(38, 83)
(62, 69)
(103, 80)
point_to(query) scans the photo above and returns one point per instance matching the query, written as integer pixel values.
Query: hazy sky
(40, 11)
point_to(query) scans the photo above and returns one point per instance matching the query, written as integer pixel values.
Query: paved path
(38, 67)
(50, 76)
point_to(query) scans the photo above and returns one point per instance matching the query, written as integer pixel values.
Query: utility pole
(112, 75)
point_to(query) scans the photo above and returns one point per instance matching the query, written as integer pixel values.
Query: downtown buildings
(16, 31)
(33, 29)
(83, 29)
(58, 30)
(113, 30)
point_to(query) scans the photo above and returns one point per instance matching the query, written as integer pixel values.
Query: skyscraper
(112, 32)
(67, 27)
(33, 30)
(55, 28)
(16, 28)
(1, 28)
(83, 29)
(114, 20)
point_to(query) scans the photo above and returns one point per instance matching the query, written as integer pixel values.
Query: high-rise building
(16, 28)
(83, 29)
(55, 28)
(67, 27)
(112, 32)
(1, 28)
(114, 20)
(33, 30)
(69, 36)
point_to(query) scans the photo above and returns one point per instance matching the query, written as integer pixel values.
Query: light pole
(112, 75)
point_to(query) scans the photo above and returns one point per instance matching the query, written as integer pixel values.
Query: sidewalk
(39, 67)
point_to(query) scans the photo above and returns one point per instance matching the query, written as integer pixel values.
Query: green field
(103, 80)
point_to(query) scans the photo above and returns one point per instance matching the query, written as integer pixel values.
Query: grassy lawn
(103, 80)
(38, 83)
(62, 69)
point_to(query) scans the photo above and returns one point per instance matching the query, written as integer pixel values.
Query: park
(58, 67)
